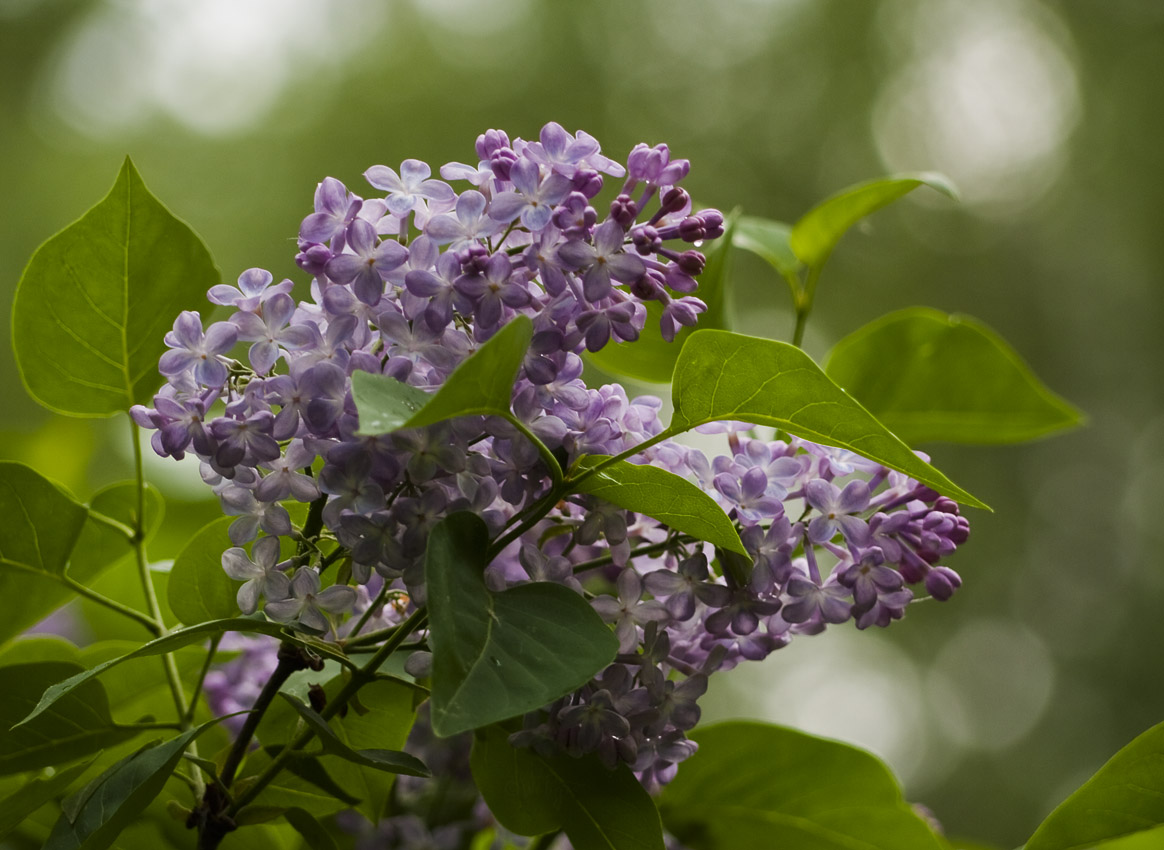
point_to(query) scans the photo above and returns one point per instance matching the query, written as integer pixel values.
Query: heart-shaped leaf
(753, 786)
(498, 655)
(96, 300)
(723, 375)
(931, 376)
(599, 808)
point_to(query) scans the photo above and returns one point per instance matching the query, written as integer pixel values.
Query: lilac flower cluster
(407, 285)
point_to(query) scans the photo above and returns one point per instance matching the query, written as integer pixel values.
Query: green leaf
(96, 300)
(1148, 839)
(932, 376)
(817, 233)
(650, 357)
(498, 655)
(1126, 795)
(722, 375)
(96, 815)
(482, 384)
(304, 782)
(174, 640)
(76, 726)
(662, 495)
(600, 809)
(389, 761)
(35, 794)
(769, 240)
(313, 832)
(101, 546)
(753, 786)
(199, 589)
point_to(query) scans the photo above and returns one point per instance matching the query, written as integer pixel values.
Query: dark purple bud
(712, 223)
(587, 181)
(313, 258)
(502, 162)
(673, 200)
(646, 239)
(941, 582)
(624, 211)
(692, 229)
(691, 262)
(474, 259)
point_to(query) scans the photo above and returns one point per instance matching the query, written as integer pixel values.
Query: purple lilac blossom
(408, 285)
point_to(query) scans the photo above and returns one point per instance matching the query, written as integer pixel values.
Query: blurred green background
(991, 707)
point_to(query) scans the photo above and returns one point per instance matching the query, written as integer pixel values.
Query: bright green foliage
(665, 496)
(650, 357)
(95, 816)
(770, 240)
(75, 726)
(599, 808)
(932, 376)
(169, 643)
(818, 231)
(1148, 839)
(722, 375)
(482, 384)
(15, 808)
(389, 761)
(1126, 795)
(498, 655)
(41, 525)
(199, 589)
(753, 786)
(101, 546)
(96, 300)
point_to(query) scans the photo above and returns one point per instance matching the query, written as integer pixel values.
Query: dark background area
(1048, 116)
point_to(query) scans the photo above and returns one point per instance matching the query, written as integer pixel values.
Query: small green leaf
(498, 655)
(931, 376)
(600, 809)
(1126, 795)
(722, 375)
(199, 589)
(769, 240)
(174, 640)
(35, 794)
(389, 761)
(753, 786)
(96, 300)
(817, 233)
(482, 384)
(313, 832)
(76, 726)
(650, 357)
(40, 530)
(660, 494)
(305, 782)
(101, 546)
(96, 815)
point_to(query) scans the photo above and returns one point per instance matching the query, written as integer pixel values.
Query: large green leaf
(498, 655)
(304, 782)
(96, 815)
(650, 357)
(931, 376)
(102, 546)
(600, 809)
(1126, 795)
(818, 231)
(660, 494)
(1148, 839)
(75, 726)
(19, 805)
(40, 528)
(753, 786)
(313, 832)
(199, 589)
(482, 384)
(174, 640)
(769, 240)
(96, 300)
(722, 375)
